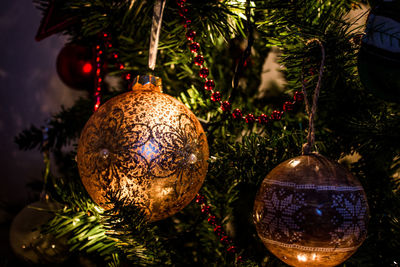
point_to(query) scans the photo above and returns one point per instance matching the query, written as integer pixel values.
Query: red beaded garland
(200, 199)
(180, 3)
(218, 230)
(98, 79)
(276, 115)
(298, 96)
(239, 259)
(183, 11)
(288, 106)
(209, 85)
(224, 240)
(203, 73)
(237, 114)
(212, 220)
(232, 249)
(199, 60)
(205, 209)
(216, 96)
(226, 106)
(190, 34)
(194, 47)
(250, 118)
(263, 119)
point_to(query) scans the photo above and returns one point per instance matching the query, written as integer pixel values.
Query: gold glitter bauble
(29, 243)
(147, 147)
(311, 211)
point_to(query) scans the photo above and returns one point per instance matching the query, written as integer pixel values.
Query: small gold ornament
(311, 211)
(29, 243)
(146, 146)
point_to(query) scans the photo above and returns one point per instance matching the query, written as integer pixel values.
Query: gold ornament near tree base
(147, 147)
(311, 211)
(27, 241)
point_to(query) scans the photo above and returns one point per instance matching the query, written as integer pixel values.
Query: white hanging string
(155, 32)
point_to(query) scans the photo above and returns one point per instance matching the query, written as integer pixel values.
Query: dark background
(30, 91)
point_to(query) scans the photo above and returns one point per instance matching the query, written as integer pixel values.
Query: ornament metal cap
(147, 82)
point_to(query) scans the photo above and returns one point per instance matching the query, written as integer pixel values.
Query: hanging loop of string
(312, 110)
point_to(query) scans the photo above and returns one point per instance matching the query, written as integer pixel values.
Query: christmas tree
(177, 178)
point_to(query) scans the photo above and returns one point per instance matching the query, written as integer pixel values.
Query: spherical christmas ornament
(75, 66)
(26, 238)
(379, 56)
(147, 147)
(311, 211)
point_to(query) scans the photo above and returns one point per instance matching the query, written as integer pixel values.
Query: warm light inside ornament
(311, 211)
(146, 146)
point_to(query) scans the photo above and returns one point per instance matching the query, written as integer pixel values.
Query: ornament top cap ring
(147, 82)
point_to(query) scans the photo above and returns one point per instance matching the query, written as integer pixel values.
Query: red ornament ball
(75, 66)
(311, 211)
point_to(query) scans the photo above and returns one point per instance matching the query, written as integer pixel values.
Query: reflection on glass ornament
(192, 158)
(27, 241)
(146, 146)
(311, 211)
(104, 153)
(75, 66)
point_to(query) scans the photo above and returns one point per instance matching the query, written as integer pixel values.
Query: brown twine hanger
(308, 147)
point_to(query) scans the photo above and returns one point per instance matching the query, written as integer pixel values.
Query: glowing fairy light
(302, 257)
